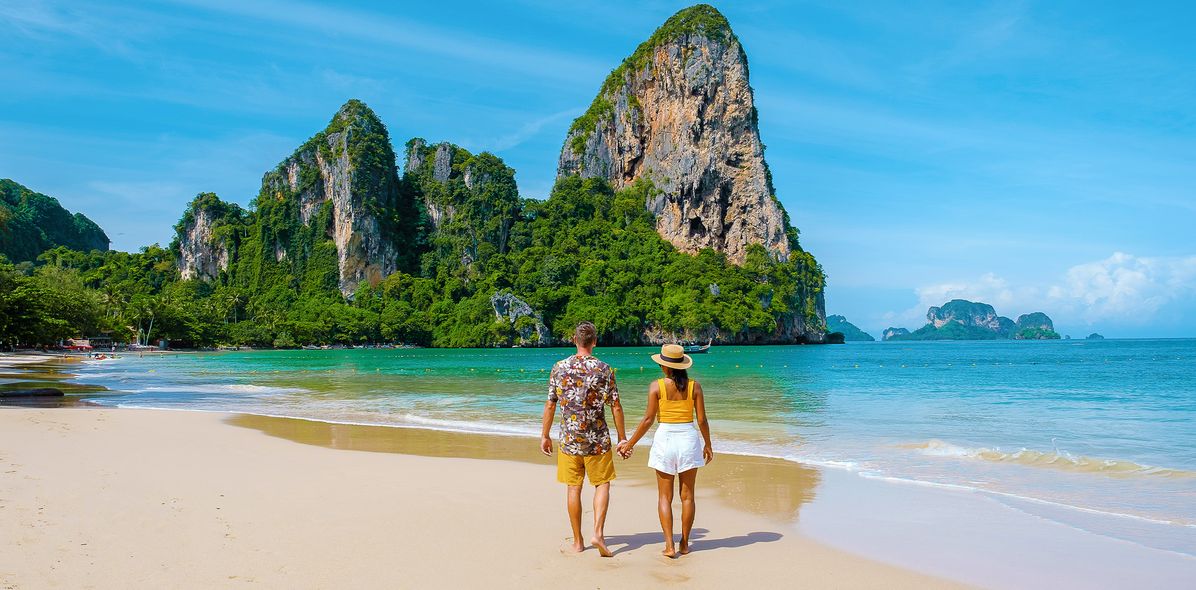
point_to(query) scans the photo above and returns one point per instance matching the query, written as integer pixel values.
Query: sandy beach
(96, 498)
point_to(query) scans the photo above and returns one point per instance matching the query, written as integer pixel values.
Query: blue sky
(1034, 155)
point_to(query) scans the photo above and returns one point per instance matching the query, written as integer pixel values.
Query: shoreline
(144, 498)
(911, 542)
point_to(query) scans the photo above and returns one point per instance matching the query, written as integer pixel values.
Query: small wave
(1056, 459)
(221, 388)
(403, 420)
(477, 427)
(1024, 498)
(91, 375)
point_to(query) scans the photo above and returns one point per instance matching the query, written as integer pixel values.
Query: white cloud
(1122, 289)
(1125, 287)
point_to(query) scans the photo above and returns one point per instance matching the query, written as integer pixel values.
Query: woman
(677, 452)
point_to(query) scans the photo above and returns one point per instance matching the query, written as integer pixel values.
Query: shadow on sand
(699, 540)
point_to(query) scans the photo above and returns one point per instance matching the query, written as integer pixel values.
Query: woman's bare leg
(688, 479)
(664, 505)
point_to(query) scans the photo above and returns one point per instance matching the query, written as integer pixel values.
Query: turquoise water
(1097, 435)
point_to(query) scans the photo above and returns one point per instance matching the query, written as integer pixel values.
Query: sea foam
(1055, 459)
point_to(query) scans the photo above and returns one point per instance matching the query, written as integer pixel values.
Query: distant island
(839, 324)
(1094, 336)
(960, 319)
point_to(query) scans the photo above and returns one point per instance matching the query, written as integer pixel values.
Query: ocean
(1097, 435)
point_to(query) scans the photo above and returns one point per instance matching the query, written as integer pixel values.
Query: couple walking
(584, 386)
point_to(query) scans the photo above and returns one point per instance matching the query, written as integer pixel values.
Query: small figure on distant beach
(677, 451)
(584, 386)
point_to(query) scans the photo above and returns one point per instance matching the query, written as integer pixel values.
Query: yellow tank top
(677, 411)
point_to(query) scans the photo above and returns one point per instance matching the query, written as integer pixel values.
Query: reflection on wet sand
(36, 372)
(772, 487)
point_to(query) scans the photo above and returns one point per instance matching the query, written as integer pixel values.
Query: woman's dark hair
(680, 378)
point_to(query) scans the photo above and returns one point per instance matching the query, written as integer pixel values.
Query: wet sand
(770, 487)
(150, 499)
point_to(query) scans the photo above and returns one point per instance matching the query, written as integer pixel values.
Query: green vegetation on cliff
(951, 331)
(460, 235)
(1036, 334)
(700, 19)
(31, 223)
(584, 253)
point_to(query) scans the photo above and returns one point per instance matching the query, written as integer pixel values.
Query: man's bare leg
(664, 505)
(688, 478)
(574, 496)
(601, 503)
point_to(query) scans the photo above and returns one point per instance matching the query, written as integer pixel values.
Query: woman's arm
(703, 424)
(645, 423)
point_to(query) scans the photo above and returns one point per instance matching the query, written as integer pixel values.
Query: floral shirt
(583, 386)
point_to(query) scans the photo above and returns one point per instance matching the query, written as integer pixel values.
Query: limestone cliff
(471, 201)
(348, 167)
(1036, 319)
(680, 112)
(206, 236)
(439, 168)
(970, 314)
(527, 325)
(1035, 326)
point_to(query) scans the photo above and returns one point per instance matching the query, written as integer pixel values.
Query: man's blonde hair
(585, 334)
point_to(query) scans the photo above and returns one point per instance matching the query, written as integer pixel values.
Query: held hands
(625, 449)
(708, 454)
(546, 445)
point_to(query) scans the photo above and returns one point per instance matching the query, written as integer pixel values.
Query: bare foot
(684, 550)
(573, 548)
(669, 552)
(600, 545)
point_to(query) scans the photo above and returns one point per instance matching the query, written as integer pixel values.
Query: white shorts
(676, 448)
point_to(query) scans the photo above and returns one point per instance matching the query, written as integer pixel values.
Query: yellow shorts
(571, 469)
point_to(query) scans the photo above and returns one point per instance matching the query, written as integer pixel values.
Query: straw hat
(672, 355)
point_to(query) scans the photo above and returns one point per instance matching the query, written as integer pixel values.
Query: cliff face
(432, 163)
(525, 322)
(1035, 326)
(350, 168)
(471, 201)
(1036, 320)
(969, 314)
(680, 112)
(206, 236)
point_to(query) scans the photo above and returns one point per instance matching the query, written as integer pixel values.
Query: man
(584, 385)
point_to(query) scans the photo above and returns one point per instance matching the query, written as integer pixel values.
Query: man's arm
(616, 408)
(546, 427)
(549, 412)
